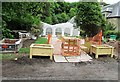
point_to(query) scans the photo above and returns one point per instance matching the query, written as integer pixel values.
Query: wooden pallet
(70, 48)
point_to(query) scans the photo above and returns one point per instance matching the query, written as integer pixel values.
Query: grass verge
(41, 40)
(24, 50)
(7, 56)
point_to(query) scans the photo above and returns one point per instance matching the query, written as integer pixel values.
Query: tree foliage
(28, 15)
(89, 17)
(62, 11)
(21, 16)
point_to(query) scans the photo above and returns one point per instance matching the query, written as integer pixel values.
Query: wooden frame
(10, 45)
(41, 50)
(70, 46)
(102, 50)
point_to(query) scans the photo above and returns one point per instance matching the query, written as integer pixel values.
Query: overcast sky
(107, 1)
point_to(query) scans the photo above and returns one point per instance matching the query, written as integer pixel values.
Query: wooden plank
(84, 57)
(73, 59)
(59, 58)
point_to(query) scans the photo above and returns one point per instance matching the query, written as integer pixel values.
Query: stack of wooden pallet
(70, 47)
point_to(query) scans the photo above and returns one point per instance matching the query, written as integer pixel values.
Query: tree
(20, 16)
(28, 15)
(89, 17)
(6, 33)
(72, 12)
(62, 11)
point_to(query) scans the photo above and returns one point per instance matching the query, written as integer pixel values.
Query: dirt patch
(116, 45)
(42, 68)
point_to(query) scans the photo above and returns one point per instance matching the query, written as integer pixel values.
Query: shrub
(118, 35)
(109, 29)
(108, 33)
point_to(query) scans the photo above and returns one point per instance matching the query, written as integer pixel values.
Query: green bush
(118, 35)
(113, 33)
(5, 31)
(109, 29)
(108, 33)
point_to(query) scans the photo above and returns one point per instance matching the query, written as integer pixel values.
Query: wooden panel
(70, 47)
(102, 50)
(94, 49)
(41, 50)
(13, 45)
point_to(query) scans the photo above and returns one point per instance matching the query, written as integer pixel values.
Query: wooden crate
(102, 50)
(70, 47)
(41, 50)
(10, 45)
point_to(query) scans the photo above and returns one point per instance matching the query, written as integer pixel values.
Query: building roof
(70, 23)
(60, 25)
(63, 25)
(114, 9)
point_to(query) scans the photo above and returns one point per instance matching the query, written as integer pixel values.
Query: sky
(106, 1)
